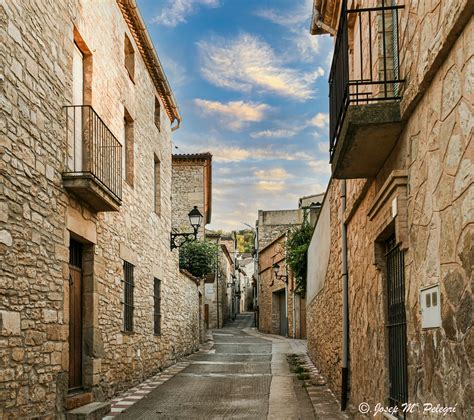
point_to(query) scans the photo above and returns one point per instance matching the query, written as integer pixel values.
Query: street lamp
(276, 270)
(179, 239)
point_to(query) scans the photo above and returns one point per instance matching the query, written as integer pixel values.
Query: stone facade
(280, 310)
(191, 186)
(38, 217)
(423, 194)
(218, 292)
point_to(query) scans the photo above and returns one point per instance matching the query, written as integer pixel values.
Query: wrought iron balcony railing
(365, 66)
(93, 151)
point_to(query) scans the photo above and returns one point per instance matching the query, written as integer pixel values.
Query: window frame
(129, 57)
(157, 113)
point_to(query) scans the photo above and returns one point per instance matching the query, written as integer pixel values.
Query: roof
(137, 27)
(325, 17)
(192, 156)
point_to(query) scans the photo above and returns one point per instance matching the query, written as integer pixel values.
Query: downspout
(217, 280)
(345, 304)
(286, 288)
(294, 311)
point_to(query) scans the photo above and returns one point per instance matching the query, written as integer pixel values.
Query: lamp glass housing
(195, 218)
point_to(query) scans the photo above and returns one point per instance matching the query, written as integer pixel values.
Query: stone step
(78, 400)
(91, 411)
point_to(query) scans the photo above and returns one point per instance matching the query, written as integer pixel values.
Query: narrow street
(242, 376)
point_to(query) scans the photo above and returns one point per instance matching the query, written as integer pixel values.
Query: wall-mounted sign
(430, 302)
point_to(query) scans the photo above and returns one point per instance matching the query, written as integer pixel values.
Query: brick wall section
(37, 216)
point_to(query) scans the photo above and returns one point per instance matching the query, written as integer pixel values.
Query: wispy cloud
(234, 114)
(175, 11)
(320, 166)
(248, 63)
(296, 22)
(276, 134)
(234, 153)
(320, 120)
(272, 174)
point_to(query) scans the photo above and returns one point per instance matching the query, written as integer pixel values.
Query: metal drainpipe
(345, 304)
(217, 280)
(294, 312)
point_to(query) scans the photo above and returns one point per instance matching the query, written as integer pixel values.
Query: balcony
(94, 160)
(364, 91)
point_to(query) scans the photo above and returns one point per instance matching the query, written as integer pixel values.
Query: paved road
(243, 376)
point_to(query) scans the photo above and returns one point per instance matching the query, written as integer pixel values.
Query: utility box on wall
(430, 302)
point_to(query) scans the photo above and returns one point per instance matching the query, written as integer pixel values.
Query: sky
(251, 86)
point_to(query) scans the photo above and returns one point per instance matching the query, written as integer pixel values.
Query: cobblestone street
(241, 376)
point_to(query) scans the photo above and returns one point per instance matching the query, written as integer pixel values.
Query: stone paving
(240, 373)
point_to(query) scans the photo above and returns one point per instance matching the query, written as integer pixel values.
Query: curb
(135, 394)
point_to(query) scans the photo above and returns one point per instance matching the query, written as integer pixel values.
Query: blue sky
(251, 85)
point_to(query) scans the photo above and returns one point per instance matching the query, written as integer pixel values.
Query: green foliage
(296, 254)
(245, 241)
(198, 257)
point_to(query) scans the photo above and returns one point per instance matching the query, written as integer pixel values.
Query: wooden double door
(75, 315)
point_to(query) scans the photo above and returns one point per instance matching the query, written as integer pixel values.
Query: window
(128, 296)
(129, 58)
(128, 148)
(157, 306)
(157, 113)
(157, 186)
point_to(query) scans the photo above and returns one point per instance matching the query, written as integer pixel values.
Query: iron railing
(365, 68)
(92, 149)
(396, 325)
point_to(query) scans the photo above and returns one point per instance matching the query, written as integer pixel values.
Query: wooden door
(283, 321)
(75, 315)
(206, 315)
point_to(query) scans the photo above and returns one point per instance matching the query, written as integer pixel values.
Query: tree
(198, 258)
(297, 254)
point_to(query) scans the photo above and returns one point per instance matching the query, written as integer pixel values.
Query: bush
(198, 258)
(297, 254)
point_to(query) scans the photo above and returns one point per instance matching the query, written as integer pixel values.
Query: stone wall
(217, 295)
(190, 188)
(272, 223)
(427, 180)
(323, 311)
(38, 217)
(270, 287)
(434, 227)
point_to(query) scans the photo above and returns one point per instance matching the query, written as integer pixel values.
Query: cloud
(233, 153)
(279, 133)
(235, 113)
(320, 166)
(175, 11)
(270, 185)
(320, 120)
(297, 16)
(248, 63)
(272, 174)
(296, 21)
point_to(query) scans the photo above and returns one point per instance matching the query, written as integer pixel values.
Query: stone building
(191, 186)
(394, 250)
(280, 310)
(92, 298)
(218, 293)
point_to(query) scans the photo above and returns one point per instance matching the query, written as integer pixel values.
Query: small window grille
(157, 306)
(128, 296)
